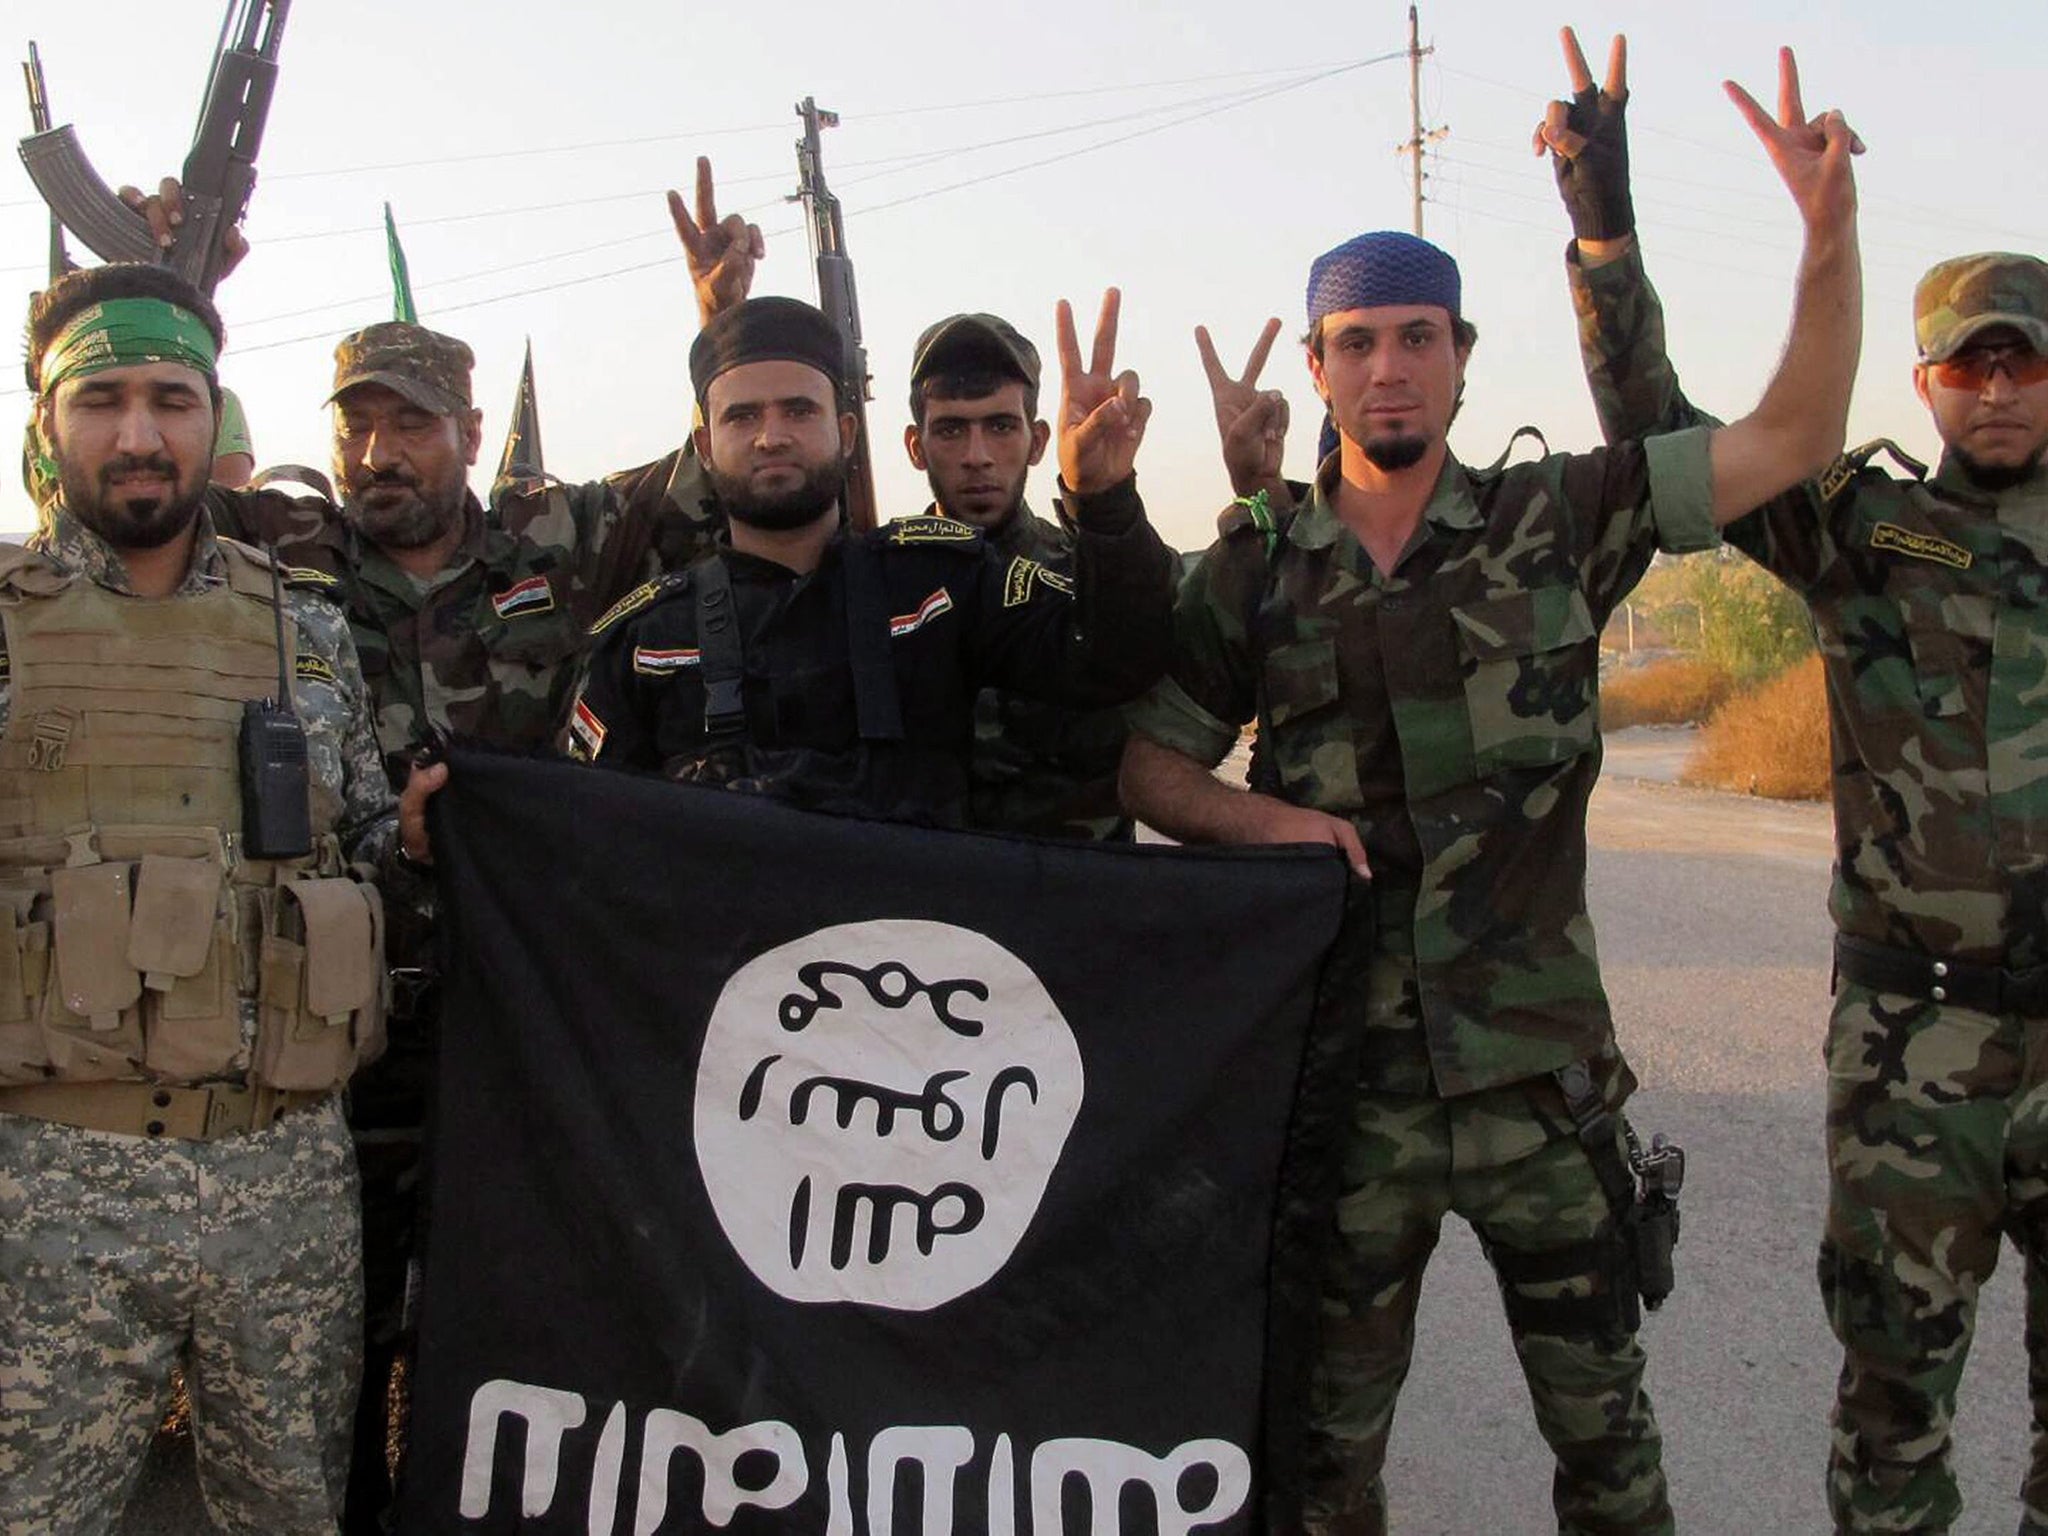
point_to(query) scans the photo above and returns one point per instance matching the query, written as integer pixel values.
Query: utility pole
(1418, 140)
(836, 298)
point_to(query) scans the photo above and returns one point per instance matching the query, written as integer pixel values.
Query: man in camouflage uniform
(976, 433)
(168, 1196)
(1419, 643)
(469, 622)
(1927, 593)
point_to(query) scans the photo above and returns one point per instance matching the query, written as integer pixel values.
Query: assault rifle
(836, 298)
(39, 122)
(220, 169)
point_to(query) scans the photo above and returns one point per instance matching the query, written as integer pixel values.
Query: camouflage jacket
(958, 616)
(327, 685)
(1044, 768)
(1930, 598)
(487, 648)
(1450, 710)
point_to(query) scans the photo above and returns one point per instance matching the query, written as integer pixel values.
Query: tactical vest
(133, 933)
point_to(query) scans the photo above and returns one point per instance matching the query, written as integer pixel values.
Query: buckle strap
(1598, 1129)
(159, 1110)
(718, 645)
(1964, 983)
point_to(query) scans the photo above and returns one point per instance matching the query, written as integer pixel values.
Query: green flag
(401, 280)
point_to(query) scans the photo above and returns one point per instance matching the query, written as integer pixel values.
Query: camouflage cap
(1969, 294)
(427, 368)
(969, 339)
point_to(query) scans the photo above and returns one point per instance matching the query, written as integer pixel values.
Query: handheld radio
(277, 820)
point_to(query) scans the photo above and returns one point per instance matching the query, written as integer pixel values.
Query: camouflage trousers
(1508, 1162)
(1937, 1150)
(122, 1256)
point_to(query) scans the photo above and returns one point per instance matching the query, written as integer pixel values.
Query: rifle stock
(219, 171)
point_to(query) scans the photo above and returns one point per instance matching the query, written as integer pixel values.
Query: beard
(395, 511)
(987, 522)
(780, 511)
(1995, 477)
(128, 522)
(1395, 453)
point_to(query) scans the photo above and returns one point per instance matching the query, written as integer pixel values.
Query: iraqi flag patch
(532, 595)
(655, 661)
(586, 733)
(903, 624)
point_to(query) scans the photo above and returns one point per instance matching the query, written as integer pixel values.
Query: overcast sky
(1199, 154)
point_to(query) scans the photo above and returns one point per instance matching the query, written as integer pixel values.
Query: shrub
(1771, 740)
(1727, 612)
(1677, 692)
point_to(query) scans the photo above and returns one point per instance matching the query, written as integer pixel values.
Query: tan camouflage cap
(429, 369)
(1969, 294)
(968, 339)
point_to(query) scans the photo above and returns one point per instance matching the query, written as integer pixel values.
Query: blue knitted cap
(1383, 267)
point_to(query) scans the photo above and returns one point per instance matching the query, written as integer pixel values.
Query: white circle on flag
(879, 1108)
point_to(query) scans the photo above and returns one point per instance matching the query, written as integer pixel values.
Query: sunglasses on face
(1975, 368)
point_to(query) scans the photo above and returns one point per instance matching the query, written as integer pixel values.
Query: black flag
(797, 1173)
(522, 458)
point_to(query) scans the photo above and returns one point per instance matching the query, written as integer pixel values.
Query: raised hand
(1251, 421)
(1811, 154)
(720, 252)
(1102, 415)
(165, 211)
(1587, 138)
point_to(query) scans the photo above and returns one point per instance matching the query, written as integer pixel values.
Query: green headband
(120, 333)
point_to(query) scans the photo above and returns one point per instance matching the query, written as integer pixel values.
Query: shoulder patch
(637, 599)
(931, 530)
(310, 577)
(315, 668)
(1838, 474)
(1024, 574)
(586, 733)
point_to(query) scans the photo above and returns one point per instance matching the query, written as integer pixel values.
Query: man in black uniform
(839, 671)
(975, 431)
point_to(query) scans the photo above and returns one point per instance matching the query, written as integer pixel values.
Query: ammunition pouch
(128, 953)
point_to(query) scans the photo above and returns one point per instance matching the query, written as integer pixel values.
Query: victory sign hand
(1251, 421)
(1102, 415)
(1588, 142)
(1812, 155)
(720, 252)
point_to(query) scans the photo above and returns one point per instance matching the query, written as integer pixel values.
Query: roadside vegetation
(1745, 671)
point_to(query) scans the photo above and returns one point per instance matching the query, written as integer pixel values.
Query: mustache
(390, 478)
(124, 464)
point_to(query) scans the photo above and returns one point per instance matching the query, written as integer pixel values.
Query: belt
(1965, 983)
(157, 1110)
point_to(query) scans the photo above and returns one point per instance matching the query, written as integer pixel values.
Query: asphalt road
(1711, 923)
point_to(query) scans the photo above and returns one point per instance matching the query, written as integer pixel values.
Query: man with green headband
(187, 979)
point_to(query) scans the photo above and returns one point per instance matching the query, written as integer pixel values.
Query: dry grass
(1678, 692)
(1770, 741)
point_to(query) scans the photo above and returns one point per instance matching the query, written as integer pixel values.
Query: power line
(1239, 99)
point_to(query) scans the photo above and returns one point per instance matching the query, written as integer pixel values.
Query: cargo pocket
(1940, 661)
(92, 1024)
(1311, 746)
(1530, 672)
(24, 964)
(183, 946)
(315, 990)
